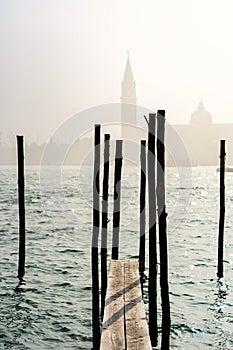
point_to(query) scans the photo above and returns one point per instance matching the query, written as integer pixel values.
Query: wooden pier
(124, 324)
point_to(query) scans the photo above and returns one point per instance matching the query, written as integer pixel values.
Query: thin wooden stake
(117, 198)
(21, 263)
(152, 286)
(162, 216)
(222, 209)
(104, 224)
(142, 213)
(95, 237)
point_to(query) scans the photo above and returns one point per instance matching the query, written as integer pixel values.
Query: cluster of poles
(156, 205)
(150, 150)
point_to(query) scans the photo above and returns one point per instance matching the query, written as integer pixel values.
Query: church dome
(201, 116)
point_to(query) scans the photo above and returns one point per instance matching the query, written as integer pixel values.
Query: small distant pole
(117, 198)
(104, 223)
(152, 286)
(222, 209)
(21, 201)
(95, 236)
(162, 215)
(142, 212)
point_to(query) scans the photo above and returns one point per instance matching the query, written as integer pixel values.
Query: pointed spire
(128, 75)
(128, 100)
(128, 85)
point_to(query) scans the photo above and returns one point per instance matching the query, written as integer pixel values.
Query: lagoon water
(52, 310)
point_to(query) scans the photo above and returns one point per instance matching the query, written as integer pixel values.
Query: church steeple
(128, 70)
(128, 102)
(128, 85)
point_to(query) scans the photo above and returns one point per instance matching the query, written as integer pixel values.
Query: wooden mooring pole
(142, 213)
(95, 237)
(162, 217)
(21, 262)
(104, 223)
(222, 209)
(152, 286)
(117, 198)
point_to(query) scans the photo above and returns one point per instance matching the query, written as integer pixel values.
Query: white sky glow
(59, 57)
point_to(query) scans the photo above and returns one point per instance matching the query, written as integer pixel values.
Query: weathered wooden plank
(125, 325)
(113, 323)
(137, 333)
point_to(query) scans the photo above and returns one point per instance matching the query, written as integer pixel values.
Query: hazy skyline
(59, 57)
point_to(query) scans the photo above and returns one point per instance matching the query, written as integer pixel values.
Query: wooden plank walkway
(124, 324)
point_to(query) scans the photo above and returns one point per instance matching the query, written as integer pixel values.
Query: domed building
(201, 116)
(200, 137)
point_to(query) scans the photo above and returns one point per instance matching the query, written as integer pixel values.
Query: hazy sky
(59, 57)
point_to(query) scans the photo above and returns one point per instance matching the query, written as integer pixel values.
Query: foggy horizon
(59, 58)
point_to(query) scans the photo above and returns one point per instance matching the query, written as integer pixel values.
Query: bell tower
(128, 101)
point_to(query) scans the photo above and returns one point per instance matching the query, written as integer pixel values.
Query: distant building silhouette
(201, 116)
(128, 101)
(128, 86)
(201, 137)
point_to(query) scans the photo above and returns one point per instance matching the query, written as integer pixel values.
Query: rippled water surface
(52, 310)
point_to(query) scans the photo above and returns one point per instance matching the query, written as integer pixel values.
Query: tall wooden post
(95, 237)
(21, 263)
(222, 209)
(152, 286)
(117, 198)
(104, 224)
(142, 212)
(162, 215)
